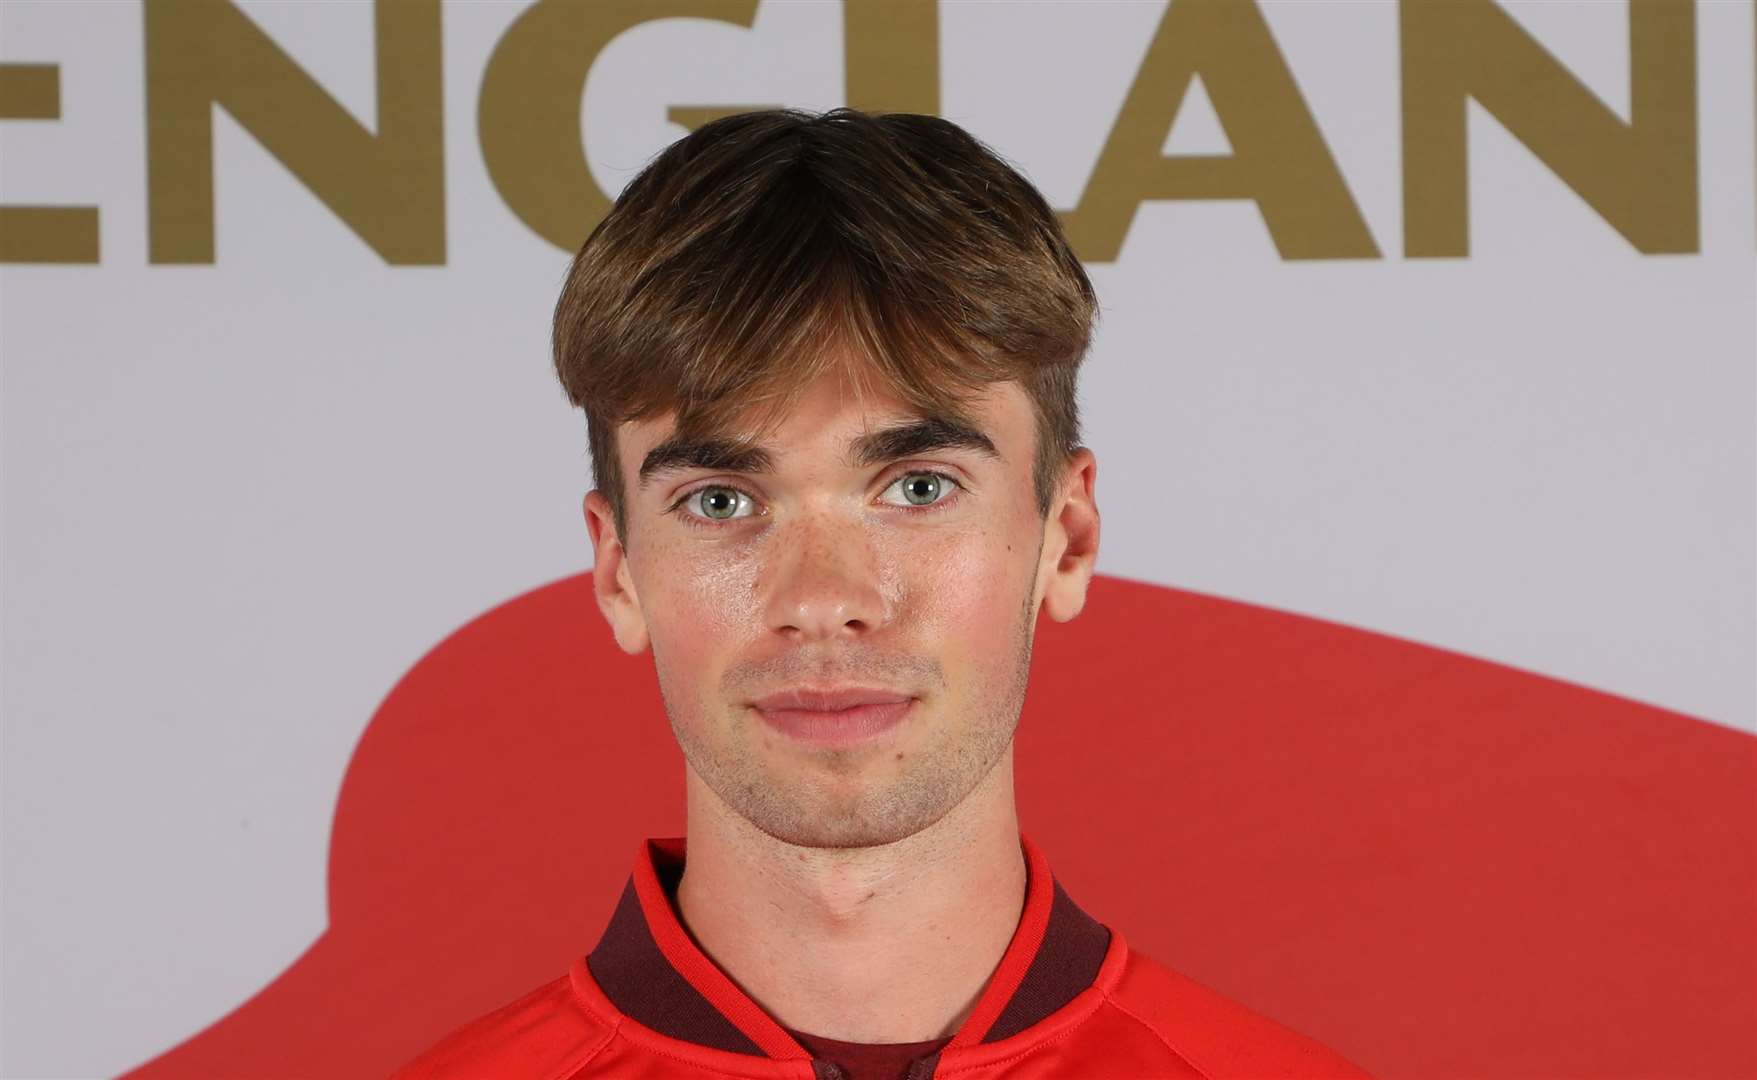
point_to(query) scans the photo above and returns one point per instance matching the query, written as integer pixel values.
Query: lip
(828, 699)
(837, 717)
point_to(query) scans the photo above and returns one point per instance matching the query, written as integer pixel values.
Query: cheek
(700, 608)
(961, 590)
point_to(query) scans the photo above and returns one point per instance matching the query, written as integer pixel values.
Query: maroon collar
(649, 968)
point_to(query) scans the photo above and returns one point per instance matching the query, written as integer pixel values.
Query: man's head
(828, 367)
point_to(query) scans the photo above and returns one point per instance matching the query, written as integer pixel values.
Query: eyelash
(676, 508)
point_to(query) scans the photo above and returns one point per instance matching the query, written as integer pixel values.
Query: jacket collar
(647, 966)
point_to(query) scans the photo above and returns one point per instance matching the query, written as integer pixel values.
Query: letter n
(1639, 176)
(388, 186)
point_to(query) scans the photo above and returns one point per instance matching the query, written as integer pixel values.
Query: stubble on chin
(862, 797)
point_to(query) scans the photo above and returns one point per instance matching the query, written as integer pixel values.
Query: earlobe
(612, 581)
(1070, 551)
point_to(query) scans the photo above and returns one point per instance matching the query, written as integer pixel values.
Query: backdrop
(1421, 675)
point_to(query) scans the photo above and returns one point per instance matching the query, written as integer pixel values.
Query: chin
(843, 819)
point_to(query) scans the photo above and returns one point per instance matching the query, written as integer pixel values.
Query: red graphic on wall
(1440, 866)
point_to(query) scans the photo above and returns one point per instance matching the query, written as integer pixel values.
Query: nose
(824, 581)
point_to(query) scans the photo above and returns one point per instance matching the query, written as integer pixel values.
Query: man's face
(862, 550)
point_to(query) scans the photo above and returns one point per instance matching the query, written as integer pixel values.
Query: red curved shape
(1438, 865)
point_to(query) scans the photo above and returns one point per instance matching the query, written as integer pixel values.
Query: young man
(828, 368)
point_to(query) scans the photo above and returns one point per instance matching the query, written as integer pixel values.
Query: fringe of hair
(753, 255)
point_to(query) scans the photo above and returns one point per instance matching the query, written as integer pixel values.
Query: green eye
(921, 488)
(718, 503)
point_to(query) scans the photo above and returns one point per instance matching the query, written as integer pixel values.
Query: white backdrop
(240, 499)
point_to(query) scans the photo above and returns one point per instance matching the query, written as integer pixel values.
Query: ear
(611, 579)
(1070, 541)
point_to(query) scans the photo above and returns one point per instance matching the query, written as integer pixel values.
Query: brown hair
(733, 266)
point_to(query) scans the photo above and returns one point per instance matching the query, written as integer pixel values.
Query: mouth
(841, 717)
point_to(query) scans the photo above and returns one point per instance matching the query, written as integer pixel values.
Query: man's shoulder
(544, 1033)
(1216, 1035)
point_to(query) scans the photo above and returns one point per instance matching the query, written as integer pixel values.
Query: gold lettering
(1279, 159)
(41, 234)
(388, 187)
(1640, 176)
(528, 117)
(891, 55)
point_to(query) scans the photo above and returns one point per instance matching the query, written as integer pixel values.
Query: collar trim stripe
(1033, 923)
(689, 960)
(629, 966)
(1069, 960)
(648, 969)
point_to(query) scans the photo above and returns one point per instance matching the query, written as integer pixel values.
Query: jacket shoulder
(1219, 1037)
(545, 1033)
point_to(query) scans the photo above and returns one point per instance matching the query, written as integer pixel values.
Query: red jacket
(1069, 999)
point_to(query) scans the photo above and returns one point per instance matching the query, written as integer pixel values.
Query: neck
(883, 944)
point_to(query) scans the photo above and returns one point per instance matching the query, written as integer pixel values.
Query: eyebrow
(907, 439)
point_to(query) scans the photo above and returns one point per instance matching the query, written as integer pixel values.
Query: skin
(861, 893)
